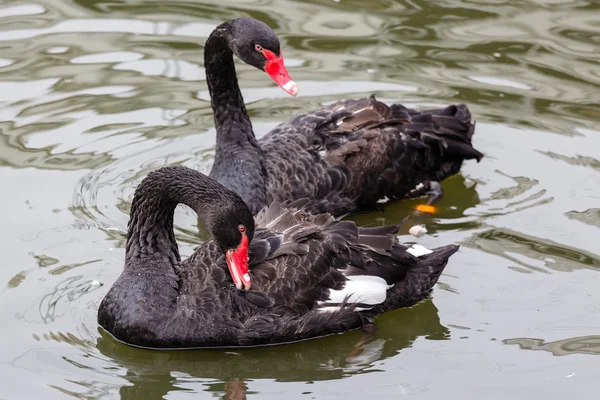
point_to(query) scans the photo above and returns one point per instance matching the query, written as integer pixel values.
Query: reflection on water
(330, 358)
(95, 94)
(152, 374)
(590, 216)
(54, 305)
(565, 347)
(530, 253)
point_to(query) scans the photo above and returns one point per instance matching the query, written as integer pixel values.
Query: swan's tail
(383, 273)
(420, 278)
(448, 131)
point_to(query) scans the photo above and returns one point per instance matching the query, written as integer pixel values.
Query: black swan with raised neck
(285, 276)
(345, 157)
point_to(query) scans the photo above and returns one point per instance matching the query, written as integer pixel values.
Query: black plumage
(296, 259)
(344, 157)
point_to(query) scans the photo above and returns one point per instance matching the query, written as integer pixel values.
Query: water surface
(95, 94)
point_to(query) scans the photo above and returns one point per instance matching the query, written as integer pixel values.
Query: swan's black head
(232, 228)
(255, 43)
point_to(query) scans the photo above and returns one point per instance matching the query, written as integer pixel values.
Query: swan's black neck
(151, 244)
(226, 97)
(239, 161)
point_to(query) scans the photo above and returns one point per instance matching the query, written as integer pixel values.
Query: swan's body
(343, 158)
(311, 275)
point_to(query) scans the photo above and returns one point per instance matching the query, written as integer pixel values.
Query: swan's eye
(258, 47)
(242, 228)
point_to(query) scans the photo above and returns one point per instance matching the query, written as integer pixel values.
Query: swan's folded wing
(351, 154)
(307, 262)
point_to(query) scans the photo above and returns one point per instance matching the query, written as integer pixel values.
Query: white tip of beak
(246, 281)
(291, 87)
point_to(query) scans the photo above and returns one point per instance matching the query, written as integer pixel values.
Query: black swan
(303, 275)
(345, 157)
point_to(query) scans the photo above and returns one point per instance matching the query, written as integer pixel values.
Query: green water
(95, 94)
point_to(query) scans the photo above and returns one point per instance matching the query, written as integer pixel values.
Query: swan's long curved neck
(225, 95)
(239, 160)
(151, 244)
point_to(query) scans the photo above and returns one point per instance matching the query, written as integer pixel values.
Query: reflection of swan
(151, 372)
(459, 196)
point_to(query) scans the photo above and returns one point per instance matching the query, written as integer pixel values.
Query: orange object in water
(424, 208)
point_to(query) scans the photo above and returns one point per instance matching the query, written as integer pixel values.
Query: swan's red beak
(278, 73)
(237, 261)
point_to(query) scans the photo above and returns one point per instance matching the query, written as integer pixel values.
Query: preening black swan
(344, 157)
(304, 275)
